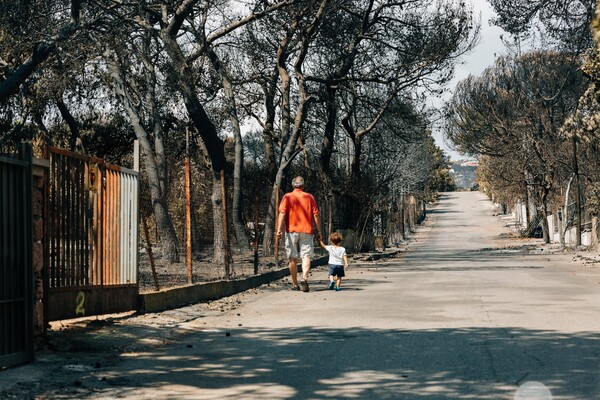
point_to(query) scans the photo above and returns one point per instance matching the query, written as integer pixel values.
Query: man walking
(298, 210)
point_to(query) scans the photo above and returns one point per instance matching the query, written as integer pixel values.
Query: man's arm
(280, 220)
(318, 224)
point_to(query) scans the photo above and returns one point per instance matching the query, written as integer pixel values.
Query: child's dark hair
(336, 238)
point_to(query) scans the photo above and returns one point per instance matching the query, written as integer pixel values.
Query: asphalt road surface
(458, 317)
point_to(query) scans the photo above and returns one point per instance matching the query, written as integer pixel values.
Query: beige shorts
(299, 244)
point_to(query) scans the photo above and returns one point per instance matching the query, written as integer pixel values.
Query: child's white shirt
(336, 254)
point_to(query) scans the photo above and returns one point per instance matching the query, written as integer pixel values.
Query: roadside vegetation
(334, 90)
(532, 118)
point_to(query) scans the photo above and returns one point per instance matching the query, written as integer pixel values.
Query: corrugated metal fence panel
(111, 244)
(70, 220)
(16, 270)
(133, 225)
(120, 204)
(93, 228)
(93, 236)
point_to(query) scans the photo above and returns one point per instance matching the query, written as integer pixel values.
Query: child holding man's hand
(338, 260)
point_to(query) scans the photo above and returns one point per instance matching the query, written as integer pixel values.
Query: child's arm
(345, 261)
(322, 244)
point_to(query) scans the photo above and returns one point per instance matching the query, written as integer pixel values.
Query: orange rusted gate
(92, 237)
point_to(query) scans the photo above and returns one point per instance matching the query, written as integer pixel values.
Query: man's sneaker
(337, 288)
(331, 285)
(295, 287)
(304, 286)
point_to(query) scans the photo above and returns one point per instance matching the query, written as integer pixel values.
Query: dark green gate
(16, 282)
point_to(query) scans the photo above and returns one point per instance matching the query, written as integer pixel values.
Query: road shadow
(314, 363)
(442, 211)
(446, 196)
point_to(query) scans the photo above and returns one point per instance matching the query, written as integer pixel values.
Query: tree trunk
(40, 53)
(238, 223)
(153, 113)
(285, 96)
(356, 158)
(545, 227)
(159, 148)
(288, 155)
(169, 243)
(402, 219)
(210, 138)
(216, 155)
(412, 214)
(237, 206)
(268, 131)
(562, 221)
(271, 217)
(577, 195)
(328, 137)
(282, 56)
(527, 214)
(268, 138)
(219, 253)
(196, 237)
(327, 150)
(38, 120)
(75, 142)
(595, 232)
(289, 152)
(164, 224)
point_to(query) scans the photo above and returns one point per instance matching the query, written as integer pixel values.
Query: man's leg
(306, 250)
(305, 268)
(294, 270)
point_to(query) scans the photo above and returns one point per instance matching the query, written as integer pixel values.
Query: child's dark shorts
(336, 270)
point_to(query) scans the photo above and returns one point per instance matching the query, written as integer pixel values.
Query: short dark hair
(336, 238)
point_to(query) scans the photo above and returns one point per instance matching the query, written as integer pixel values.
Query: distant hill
(463, 173)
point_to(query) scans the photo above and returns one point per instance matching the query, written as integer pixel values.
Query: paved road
(455, 318)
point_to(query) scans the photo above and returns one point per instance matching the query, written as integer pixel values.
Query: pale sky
(477, 60)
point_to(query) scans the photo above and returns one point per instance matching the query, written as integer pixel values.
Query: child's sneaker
(331, 285)
(337, 288)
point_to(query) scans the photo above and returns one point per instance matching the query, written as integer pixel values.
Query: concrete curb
(181, 296)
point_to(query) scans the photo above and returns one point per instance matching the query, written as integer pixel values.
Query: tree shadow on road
(187, 362)
(443, 211)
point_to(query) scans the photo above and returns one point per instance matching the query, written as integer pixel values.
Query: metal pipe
(188, 209)
(276, 221)
(225, 235)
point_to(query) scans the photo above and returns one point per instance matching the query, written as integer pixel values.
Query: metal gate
(16, 271)
(92, 237)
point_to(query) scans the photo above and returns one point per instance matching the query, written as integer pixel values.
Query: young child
(338, 260)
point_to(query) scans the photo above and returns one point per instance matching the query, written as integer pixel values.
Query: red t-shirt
(299, 208)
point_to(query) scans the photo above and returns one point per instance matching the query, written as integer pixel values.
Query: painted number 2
(80, 310)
